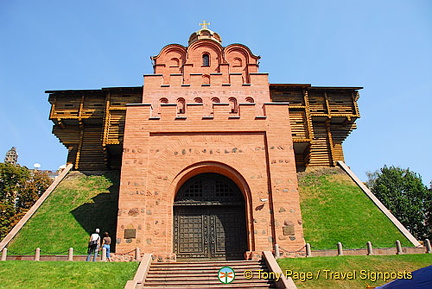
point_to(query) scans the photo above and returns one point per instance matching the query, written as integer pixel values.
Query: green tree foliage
(19, 190)
(404, 194)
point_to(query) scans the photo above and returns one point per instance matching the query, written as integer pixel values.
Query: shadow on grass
(102, 213)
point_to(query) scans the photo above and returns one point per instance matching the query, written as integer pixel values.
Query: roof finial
(204, 24)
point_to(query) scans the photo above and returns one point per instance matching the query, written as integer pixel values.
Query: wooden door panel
(229, 232)
(209, 219)
(191, 234)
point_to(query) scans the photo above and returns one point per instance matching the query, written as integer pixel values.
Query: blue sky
(384, 46)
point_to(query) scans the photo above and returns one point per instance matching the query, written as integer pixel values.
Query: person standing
(106, 243)
(93, 246)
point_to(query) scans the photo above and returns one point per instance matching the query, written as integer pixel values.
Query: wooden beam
(330, 141)
(327, 105)
(80, 144)
(308, 114)
(81, 106)
(106, 118)
(355, 96)
(53, 107)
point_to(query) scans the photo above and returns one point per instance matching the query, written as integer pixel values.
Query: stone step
(207, 264)
(220, 285)
(204, 275)
(197, 281)
(213, 281)
(200, 279)
(188, 273)
(157, 275)
(203, 280)
(242, 268)
(204, 263)
(196, 273)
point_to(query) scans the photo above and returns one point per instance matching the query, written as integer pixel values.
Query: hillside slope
(71, 213)
(335, 209)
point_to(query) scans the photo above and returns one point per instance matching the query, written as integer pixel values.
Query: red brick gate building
(208, 165)
(208, 150)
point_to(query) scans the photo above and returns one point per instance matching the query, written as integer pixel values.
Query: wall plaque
(130, 233)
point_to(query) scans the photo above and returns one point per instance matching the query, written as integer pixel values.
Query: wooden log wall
(321, 119)
(299, 125)
(115, 126)
(91, 154)
(90, 123)
(320, 153)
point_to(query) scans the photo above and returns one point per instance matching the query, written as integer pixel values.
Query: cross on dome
(204, 24)
(204, 33)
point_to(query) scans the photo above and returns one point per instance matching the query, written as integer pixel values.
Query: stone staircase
(204, 275)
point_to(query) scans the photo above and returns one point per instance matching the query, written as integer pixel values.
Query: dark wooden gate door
(209, 219)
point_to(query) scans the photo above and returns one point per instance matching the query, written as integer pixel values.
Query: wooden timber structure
(321, 118)
(90, 123)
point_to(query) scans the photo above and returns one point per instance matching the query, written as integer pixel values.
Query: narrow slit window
(181, 105)
(233, 104)
(206, 60)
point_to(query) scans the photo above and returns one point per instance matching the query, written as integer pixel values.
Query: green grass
(31, 274)
(70, 214)
(374, 269)
(335, 209)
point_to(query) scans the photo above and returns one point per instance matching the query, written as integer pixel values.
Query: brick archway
(209, 219)
(235, 178)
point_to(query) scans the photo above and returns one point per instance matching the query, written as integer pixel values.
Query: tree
(404, 194)
(19, 190)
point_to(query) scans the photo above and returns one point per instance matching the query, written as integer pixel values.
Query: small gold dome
(204, 33)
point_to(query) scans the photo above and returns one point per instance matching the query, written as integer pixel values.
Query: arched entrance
(209, 219)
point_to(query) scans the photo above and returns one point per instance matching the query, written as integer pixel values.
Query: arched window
(198, 100)
(233, 104)
(181, 105)
(206, 59)
(215, 100)
(249, 100)
(161, 101)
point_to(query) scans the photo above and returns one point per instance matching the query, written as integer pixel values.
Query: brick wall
(207, 119)
(161, 154)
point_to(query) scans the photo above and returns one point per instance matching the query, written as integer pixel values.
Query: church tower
(11, 156)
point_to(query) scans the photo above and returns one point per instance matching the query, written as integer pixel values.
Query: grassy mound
(31, 274)
(71, 213)
(363, 270)
(335, 209)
